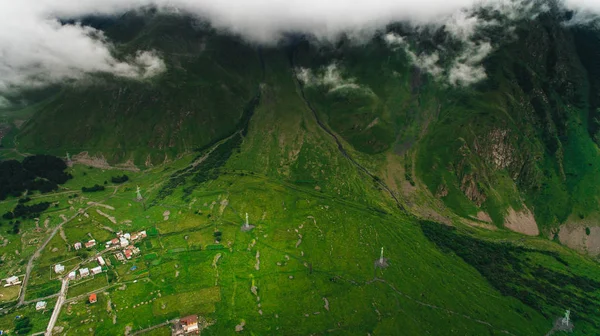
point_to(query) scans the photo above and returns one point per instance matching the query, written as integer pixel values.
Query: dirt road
(37, 255)
(59, 303)
(41, 248)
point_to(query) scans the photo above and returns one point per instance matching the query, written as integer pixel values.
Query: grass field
(39, 319)
(8, 294)
(82, 287)
(298, 252)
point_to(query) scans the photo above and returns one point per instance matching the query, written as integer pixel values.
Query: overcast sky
(36, 49)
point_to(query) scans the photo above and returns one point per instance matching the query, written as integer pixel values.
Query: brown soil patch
(373, 123)
(100, 162)
(394, 176)
(522, 222)
(577, 238)
(109, 217)
(484, 217)
(101, 205)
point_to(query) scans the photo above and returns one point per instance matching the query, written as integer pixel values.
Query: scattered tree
(95, 188)
(119, 179)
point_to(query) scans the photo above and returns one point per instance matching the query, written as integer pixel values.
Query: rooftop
(191, 319)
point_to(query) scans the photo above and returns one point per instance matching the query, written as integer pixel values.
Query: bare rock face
(469, 186)
(497, 149)
(522, 222)
(580, 238)
(240, 327)
(442, 191)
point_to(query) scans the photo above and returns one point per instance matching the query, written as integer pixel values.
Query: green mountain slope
(333, 151)
(198, 100)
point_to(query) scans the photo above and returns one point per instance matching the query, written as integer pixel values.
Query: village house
(40, 305)
(124, 242)
(72, 275)
(77, 246)
(114, 241)
(90, 243)
(127, 254)
(185, 326)
(83, 272)
(119, 256)
(96, 270)
(58, 268)
(127, 236)
(134, 237)
(13, 280)
(93, 298)
(101, 261)
(142, 234)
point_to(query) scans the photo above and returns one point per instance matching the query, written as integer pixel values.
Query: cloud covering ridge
(36, 48)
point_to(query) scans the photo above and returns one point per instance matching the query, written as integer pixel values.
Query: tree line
(38, 172)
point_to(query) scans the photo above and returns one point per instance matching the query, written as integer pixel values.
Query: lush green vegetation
(321, 209)
(119, 179)
(539, 278)
(37, 172)
(94, 188)
(209, 80)
(23, 326)
(26, 211)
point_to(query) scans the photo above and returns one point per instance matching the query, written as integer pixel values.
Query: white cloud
(426, 62)
(4, 102)
(35, 48)
(465, 68)
(329, 76)
(465, 74)
(394, 40)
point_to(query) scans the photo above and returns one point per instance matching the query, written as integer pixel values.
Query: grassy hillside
(198, 100)
(308, 266)
(523, 139)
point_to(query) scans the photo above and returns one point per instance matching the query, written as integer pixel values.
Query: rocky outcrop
(580, 238)
(470, 187)
(522, 222)
(496, 148)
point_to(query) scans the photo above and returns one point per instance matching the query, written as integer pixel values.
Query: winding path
(35, 256)
(43, 246)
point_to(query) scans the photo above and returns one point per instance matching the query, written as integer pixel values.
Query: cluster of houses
(89, 244)
(12, 281)
(83, 272)
(125, 241)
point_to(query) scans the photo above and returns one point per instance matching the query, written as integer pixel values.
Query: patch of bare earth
(109, 217)
(394, 176)
(484, 217)
(577, 238)
(100, 162)
(418, 202)
(101, 205)
(373, 123)
(522, 222)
